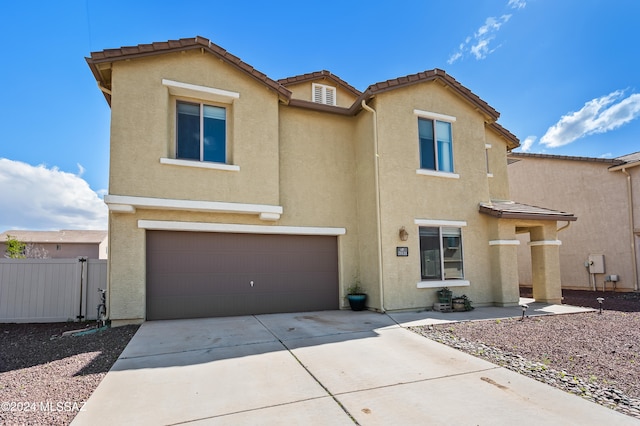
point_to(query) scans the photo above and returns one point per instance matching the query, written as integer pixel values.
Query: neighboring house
(65, 244)
(605, 194)
(231, 193)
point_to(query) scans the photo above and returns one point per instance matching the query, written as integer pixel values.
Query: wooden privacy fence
(50, 290)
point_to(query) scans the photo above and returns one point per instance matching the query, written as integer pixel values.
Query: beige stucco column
(545, 263)
(504, 263)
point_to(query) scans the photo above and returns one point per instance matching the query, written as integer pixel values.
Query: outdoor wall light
(600, 300)
(403, 234)
(524, 309)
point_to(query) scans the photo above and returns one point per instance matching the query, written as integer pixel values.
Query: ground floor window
(441, 253)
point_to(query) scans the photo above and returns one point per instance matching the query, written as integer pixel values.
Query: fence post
(82, 313)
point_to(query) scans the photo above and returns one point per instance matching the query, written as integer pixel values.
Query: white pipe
(634, 260)
(378, 212)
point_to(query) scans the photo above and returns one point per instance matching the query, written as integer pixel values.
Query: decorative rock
(609, 397)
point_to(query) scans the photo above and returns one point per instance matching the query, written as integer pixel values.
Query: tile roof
(100, 65)
(435, 74)
(513, 210)
(614, 161)
(63, 236)
(629, 158)
(512, 140)
(142, 50)
(302, 78)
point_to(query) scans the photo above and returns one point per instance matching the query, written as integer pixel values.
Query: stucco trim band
(200, 164)
(129, 204)
(504, 243)
(427, 172)
(177, 88)
(545, 243)
(445, 283)
(438, 222)
(162, 225)
(434, 115)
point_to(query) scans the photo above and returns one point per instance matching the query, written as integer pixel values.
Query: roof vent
(323, 94)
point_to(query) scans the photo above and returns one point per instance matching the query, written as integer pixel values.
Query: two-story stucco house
(231, 193)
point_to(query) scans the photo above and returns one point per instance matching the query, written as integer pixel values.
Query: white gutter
(634, 260)
(378, 212)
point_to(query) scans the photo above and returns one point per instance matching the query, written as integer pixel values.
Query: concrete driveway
(324, 368)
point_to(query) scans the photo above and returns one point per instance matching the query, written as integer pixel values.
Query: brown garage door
(193, 275)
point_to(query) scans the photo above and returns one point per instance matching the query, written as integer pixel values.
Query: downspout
(634, 260)
(378, 212)
(562, 228)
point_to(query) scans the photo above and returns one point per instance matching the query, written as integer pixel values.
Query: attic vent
(324, 94)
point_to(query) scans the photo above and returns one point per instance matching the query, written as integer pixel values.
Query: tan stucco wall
(406, 196)
(318, 179)
(497, 157)
(142, 132)
(597, 197)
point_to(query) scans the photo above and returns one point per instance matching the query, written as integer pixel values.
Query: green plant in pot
(444, 295)
(462, 303)
(356, 296)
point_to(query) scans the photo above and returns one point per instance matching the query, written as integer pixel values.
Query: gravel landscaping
(596, 356)
(45, 378)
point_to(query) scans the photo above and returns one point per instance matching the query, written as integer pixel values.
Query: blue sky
(563, 74)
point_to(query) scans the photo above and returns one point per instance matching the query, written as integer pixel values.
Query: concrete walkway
(324, 368)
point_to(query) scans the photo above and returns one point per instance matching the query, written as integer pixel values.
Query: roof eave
(204, 44)
(526, 216)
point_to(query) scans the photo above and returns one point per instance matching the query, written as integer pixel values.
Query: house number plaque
(402, 251)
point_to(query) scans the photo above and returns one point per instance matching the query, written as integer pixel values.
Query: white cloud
(606, 155)
(479, 45)
(598, 115)
(528, 143)
(39, 198)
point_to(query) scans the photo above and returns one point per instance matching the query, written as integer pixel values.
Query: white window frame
(195, 93)
(324, 92)
(436, 117)
(441, 224)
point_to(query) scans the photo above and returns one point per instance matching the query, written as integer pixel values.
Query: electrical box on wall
(596, 263)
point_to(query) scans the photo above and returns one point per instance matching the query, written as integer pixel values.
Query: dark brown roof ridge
(198, 42)
(510, 137)
(142, 50)
(430, 75)
(614, 161)
(317, 75)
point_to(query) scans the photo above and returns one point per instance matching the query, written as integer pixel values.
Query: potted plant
(356, 296)
(444, 295)
(461, 303)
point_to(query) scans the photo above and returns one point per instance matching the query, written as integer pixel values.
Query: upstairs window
(436, 145)
(441, 253)
(201, 132)
(323, 94)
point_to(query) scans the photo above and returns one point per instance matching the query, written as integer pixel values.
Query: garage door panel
(191, 275)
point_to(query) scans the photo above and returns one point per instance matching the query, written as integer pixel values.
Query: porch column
(545, 264)
(504, 264)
